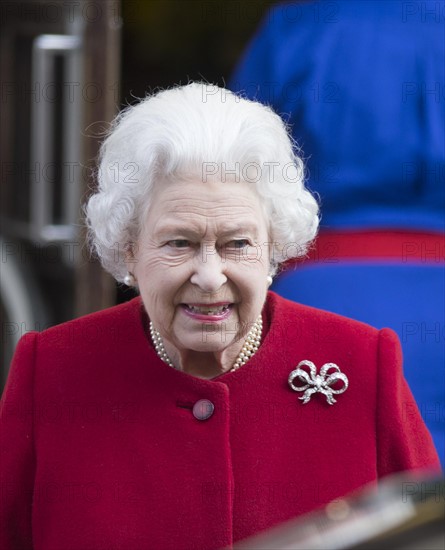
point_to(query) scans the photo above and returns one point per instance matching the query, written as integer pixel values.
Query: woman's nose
(208, 271)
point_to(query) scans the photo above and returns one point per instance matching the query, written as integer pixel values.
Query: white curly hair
(197, 131)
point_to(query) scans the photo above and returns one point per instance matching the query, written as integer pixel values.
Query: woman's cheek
(153, 264)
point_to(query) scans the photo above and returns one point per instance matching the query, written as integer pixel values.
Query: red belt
(391, 246)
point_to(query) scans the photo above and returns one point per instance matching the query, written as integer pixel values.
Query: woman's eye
(179, 243)
(238, 243)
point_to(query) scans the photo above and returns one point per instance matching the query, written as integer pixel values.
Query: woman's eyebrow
(248, 228)
(174, 226)
(177, 231)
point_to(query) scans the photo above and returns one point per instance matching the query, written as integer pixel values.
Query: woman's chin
(210, 345)
(203, 337)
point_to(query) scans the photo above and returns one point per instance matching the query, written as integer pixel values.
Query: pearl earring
(269, 280)
(129, 279)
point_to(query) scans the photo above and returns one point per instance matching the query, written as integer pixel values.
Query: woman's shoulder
(295, 315)
(115, 323)
(86, 350)
(296, 330)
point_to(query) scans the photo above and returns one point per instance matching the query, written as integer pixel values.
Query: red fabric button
(203, 409)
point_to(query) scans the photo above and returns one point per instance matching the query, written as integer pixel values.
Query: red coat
(100, 449)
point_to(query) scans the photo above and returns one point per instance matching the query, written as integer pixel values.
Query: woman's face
(202, 262)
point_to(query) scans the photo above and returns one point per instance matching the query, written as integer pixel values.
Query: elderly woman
(208, 408)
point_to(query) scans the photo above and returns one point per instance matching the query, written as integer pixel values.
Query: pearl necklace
(250, 347)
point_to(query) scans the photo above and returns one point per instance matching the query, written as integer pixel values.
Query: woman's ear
(130, 263)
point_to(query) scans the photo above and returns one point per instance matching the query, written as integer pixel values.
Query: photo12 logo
(253, 172)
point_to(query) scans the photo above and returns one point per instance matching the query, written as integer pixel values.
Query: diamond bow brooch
(318, 383)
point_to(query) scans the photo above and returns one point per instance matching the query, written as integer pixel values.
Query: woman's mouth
(208, 312)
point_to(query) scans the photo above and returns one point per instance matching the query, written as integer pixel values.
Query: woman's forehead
(222, 226)
(197, 186)
(207, 225)
(198, 206)
(215, 198)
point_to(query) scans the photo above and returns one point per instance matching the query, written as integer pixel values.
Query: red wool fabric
(100, 449)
